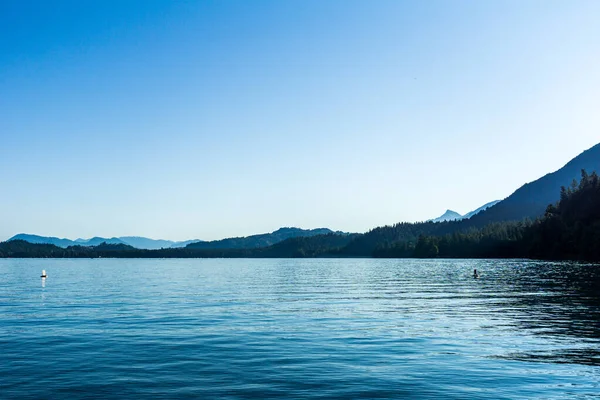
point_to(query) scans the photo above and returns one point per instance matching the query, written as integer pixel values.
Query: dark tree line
(298, 247)
(497, 240)
(569, 229)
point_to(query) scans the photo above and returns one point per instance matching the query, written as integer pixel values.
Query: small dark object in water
(475, 274)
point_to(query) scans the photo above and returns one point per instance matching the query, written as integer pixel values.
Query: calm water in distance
(325, 328)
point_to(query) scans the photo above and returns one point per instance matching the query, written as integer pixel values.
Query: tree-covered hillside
(261, 240)
(570, 229)
(531, 200)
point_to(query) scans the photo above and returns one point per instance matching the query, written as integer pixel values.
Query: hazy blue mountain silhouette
(36, 239)
(450, 215)
(140, 242)
(262, 240)
(184, 243)
(133, 241)
(145, 243)
(64, 243)
(480, 209)
(95, 241)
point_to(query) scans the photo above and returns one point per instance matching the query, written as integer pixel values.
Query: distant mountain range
(35, 239)
(528, 202)
(262, 240)
(134, 241)
(138, 242)
(450, 215)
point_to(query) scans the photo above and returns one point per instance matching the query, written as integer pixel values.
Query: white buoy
(44, 274)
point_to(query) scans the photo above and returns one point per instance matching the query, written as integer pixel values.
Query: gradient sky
(207, 119)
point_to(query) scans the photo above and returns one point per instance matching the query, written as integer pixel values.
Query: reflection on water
(557, 302)
(300, 328)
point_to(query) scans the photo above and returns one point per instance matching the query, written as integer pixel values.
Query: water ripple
(332, 328)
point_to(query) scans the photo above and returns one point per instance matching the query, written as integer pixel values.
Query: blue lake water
(331, 328)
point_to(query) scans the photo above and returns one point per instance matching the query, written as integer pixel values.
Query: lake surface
(331, 328)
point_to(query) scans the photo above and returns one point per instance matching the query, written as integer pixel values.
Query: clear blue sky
(207, 119)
